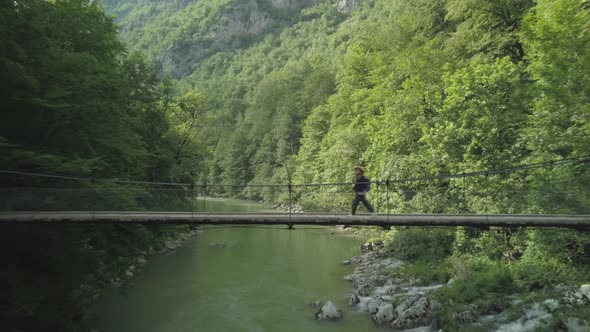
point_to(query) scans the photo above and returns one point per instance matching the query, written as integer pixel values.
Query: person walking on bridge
(361, 187)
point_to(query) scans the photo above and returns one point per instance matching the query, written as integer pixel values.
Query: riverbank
(132, 265)
(52, 275)
(384, 288)
(165, 245)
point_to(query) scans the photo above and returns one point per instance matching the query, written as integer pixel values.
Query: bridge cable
(548, 164)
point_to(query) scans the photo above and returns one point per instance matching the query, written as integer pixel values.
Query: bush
(423, 244)
(480, 283)
(568, 246)
(497, 243)
(537, 272)
(427, 271)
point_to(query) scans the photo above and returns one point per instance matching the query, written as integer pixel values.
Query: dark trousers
(358, 199)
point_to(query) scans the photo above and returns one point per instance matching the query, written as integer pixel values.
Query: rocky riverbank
(389, 301)
(169, 244)
(135, 262)
(407, 303)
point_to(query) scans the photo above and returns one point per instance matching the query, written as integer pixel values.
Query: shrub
(425, 244)
(536, 271)
(428, 271)
(479, 283)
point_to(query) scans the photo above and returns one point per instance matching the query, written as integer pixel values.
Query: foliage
(414, 244)
(74, 102)
(51, 275)
(412, 89)
(267, 94)
(427, 270)
(482, 283)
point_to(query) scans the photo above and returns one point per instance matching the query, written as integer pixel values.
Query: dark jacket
(361, 184)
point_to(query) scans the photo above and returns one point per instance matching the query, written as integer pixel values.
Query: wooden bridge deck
(115, 217)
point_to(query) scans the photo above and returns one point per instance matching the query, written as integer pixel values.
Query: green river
(264, 279)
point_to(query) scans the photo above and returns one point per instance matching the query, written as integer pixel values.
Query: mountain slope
(179, 34)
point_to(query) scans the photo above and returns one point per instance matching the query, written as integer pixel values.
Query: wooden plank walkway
(115, 217)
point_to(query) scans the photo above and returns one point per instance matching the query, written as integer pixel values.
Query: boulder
(392, 290)
(354, 300)
(492, 309)
(551, 304)
(374, 303)
(115, 282)
(364, 289)
(329, 312)
(467, 316)
(414, 312)
(574, 295)
(585, 290)
(377, 280)
(372, 246)
(345, 262)
(384, 314)
(575, 325)
(349, 277)
(171, 244)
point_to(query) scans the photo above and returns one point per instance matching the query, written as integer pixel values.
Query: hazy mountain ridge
(179, 34)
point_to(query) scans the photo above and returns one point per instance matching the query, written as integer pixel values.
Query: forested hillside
(261, 91)
(75, 102)
(177, 35)
(407, 89)
(410, 89)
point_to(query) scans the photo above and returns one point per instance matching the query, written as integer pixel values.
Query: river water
(263, 279)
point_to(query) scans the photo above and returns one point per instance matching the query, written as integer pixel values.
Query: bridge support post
(290, 189)
(290, 226)
(204, 197)
(94, 198)
(192, 201)
(387, 201)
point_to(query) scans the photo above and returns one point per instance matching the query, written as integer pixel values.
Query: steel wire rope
(554, 163)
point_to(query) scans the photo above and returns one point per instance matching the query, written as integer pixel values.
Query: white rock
(585, 289)
(412, 313)
(373, 304)
(384, 314)
(354, 300)
(329, 312)
(395, 289)
(551, 304)
(575, 325)
(535, 317)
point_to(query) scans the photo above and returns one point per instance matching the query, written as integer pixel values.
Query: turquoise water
(262, 280)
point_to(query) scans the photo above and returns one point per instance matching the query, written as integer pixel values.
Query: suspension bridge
(581, 222)
(142, 202)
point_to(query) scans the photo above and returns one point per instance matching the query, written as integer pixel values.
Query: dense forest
(266, 92)
(75, 102)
